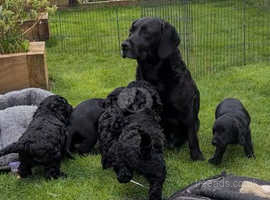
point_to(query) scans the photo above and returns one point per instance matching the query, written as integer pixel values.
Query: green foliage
(12, 14)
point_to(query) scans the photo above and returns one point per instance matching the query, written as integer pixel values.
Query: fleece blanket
(16, 112)
(225, 187)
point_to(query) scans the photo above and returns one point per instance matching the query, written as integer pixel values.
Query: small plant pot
(37, 31)
(23, 70)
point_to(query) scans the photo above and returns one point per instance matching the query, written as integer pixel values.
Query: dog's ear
(240, 131)
(131, 27)
(169, 40)
(146, 146)
(134, 22)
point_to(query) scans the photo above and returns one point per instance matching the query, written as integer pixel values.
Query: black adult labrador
(154, 44)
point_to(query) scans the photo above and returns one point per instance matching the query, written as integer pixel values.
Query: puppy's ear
(240, 131)
(133, 24)
(169, 40)
(146, 146)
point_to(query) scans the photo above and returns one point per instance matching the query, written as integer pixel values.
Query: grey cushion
(13, 122)
(28, 96)
(16, 112)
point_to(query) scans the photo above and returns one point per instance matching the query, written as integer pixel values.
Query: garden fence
(214, 34)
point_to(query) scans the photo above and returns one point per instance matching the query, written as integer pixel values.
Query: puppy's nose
(125, 45)
(214, 142)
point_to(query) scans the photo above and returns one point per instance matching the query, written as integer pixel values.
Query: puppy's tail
(12, 148)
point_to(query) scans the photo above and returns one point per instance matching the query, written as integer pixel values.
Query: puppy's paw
(55, 175)
(197, 156)
(214, 161)
(63, 175)
(252, 155)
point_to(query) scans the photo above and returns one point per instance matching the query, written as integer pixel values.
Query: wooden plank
(43, 28)
(60, 2)
(22, 70)
(13, 73)
(36, 48)
(37, 66)
(39, 32)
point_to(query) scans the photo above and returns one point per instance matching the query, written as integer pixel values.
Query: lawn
(88, 71)
(94, 76)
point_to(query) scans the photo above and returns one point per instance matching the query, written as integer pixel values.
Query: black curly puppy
(231, 127)
(44, 141)
(154, 44)
(131, 138)
(83, 129)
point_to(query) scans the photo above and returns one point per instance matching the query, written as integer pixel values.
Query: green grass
(95, 76)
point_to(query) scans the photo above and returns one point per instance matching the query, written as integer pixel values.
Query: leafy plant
(12, 14)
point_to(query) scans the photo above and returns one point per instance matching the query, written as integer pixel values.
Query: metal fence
(93, 28)
(217, 33)
(214, 34)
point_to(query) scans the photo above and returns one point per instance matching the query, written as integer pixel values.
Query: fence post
(244, 31)
(118, 29)
(186, 24)
(142, 7)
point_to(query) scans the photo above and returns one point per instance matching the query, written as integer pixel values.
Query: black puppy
(131, 138)
(231, 127)
(83, 129)
(154, 44)
(44, 141)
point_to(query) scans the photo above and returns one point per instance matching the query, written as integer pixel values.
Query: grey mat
(16, 111)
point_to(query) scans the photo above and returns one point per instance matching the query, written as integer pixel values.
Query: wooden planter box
(114, 2)
(60, 3)
(23, 70)
(38, 31)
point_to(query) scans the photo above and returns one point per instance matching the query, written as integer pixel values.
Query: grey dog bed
(16, 112)
(225, 187)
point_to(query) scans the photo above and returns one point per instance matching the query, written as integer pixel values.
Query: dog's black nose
(125, 45)
(214, 142)
(124, 176)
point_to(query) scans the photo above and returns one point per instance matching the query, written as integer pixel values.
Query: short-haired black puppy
(44, 141)
(154, 42)
(231, 127)
(83, 129)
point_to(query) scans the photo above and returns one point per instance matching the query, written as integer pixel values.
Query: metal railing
(214, 34)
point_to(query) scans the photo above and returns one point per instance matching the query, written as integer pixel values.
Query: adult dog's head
(57, 105)
(150, 37)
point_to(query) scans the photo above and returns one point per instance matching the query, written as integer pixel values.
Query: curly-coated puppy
(231, 127)
(44, 141)
(121, 102)
(83, 129)
(154, 44)
(131, 138)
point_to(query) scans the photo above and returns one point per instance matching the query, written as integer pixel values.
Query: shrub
(12, 14)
